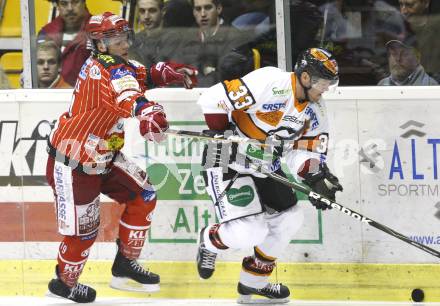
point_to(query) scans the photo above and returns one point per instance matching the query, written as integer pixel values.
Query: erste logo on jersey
(294, 119)
(274, 106)
(314, 122)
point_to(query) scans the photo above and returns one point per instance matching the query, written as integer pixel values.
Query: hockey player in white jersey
(269, 105)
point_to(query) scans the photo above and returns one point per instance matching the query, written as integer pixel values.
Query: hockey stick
(307, 191)
(225, 191)
(212, 136)
(341, 208)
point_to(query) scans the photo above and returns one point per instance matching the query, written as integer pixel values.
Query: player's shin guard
(127, 273)
(133, 227)
(72, 257)
(209, 239)
(254, 281)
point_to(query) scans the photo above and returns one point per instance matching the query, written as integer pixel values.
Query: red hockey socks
(72, 257)
(133, 227)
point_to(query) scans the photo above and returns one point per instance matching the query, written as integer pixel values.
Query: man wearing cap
(404, 65)
(425, 25)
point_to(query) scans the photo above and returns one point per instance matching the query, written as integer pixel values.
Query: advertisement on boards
(385, 159)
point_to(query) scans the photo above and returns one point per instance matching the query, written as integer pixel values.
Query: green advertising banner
(174, 167)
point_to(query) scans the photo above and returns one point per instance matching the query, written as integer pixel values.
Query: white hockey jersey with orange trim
(262, 104)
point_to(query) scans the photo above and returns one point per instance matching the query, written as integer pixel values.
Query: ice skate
(129, 275)
(79, 293)
(272, 294)
(205, 259)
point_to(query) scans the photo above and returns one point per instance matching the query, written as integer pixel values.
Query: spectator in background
(160, 43)
(4, 81)
(425, 26)
(415, 11)
(208, 17)
(404, 65)
(212, 39)
(202, 46)
(150, 14)
(146, 46)
(48, 66)
(356, 32)
(67, 31)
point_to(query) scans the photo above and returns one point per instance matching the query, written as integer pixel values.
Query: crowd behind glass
(376, 42)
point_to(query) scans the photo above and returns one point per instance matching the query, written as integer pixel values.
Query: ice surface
(35, 301)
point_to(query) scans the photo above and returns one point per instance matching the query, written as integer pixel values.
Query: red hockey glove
(152, 120)
(165, 73)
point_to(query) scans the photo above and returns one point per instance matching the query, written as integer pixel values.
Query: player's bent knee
(143, 205)
(148, 194)
(250, 233)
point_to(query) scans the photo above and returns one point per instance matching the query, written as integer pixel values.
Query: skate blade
(52, 295)
(127, 284)
(247, 299)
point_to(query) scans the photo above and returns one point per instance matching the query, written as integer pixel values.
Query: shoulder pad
(109, 60)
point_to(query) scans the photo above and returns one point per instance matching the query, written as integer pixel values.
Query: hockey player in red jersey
(85, 159)
(254, 210)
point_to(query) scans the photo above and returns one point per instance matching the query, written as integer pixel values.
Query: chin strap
(306, 92)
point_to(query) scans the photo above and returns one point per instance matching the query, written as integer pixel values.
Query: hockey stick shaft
(349, 212)
(225, 191)
(216, 137)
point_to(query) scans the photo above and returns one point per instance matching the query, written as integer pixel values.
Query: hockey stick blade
(349, 212)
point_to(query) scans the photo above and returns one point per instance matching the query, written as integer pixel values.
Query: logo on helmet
(331, 65)
(324, 57)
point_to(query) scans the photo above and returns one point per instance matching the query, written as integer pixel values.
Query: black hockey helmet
(319, 64)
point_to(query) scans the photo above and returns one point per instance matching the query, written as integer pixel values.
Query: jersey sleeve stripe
(310, 143)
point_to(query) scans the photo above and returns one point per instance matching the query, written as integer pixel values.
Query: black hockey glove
(324, 183)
